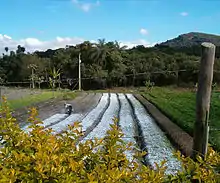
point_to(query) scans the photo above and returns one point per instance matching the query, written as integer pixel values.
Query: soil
(83, 103)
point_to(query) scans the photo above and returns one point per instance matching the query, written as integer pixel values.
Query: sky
(50, 24)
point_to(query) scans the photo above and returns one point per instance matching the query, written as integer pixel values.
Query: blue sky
(42, 22)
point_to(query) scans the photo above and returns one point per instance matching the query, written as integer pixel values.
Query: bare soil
(83, 103)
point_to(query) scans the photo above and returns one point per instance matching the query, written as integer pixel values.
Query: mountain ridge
(192, 39)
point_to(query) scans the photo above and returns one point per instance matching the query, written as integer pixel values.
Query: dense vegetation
(106, 65)
(180, 104)
(40, 156)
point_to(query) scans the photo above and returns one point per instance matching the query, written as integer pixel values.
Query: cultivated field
(96, 112)
(137, 125)
(180, 106)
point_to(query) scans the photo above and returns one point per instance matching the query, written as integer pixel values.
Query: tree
(33, 76)
(20, 49)
(6, 49)
(100, 52)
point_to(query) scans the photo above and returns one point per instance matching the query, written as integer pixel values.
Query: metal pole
(79, 72)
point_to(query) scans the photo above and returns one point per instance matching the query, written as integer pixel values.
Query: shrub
(40, 156)
(149, 85)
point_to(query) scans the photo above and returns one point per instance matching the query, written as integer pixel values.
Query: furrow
(104, 125)
(158, 146)
(93, 118)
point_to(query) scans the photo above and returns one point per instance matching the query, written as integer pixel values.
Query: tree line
(105, 64)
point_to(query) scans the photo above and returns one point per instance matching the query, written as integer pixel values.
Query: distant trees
(107, 64)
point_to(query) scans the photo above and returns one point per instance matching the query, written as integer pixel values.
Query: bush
(149, 85)
(40, 156)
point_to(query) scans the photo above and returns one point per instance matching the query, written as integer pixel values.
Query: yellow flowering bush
(40, 156)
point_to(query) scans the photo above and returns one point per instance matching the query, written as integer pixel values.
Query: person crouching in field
(68, 108)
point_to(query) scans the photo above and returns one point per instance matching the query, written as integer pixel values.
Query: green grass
(180, 105)
(30, 100)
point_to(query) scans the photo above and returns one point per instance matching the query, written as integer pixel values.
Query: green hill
(192, 39)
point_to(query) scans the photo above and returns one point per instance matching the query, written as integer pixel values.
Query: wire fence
(125, 75)
(18, 89)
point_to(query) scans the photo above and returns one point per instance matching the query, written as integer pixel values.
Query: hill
(192, 39)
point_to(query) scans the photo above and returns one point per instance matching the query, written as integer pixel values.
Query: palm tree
(100, 52)
(118, 47)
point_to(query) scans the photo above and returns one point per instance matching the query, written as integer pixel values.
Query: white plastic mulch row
(56, 118)
(157, 144)
(107, 119)
(86, 120)
(94, 114)
(63, 125)
(127, 124)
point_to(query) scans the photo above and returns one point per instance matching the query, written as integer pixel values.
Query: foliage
(180, 106)
(149, 85)
(40, 80)
(108, 64)
(214, 86)
(55, 75)
(40, 156)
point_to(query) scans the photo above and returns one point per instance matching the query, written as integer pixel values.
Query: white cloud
(4, 37)
(131, 44)
(143, 31)
(33, 44)
(85, 6)
(184, 14)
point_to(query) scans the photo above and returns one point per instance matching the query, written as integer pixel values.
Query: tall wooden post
(201, 128)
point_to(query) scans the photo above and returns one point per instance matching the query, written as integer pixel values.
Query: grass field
(180, 104)
(40, 96)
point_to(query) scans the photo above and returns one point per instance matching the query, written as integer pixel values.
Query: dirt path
(86, 104)
(81, 104)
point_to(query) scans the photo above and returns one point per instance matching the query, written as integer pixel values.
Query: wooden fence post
(201, 128)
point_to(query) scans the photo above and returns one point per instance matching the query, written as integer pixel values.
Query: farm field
(180, 104)
(13, 93)
(97, 110)
(22, 97)
(97, 118)
(47, 102)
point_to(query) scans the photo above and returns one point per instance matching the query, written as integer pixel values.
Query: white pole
(33, 78)
(79, 72)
